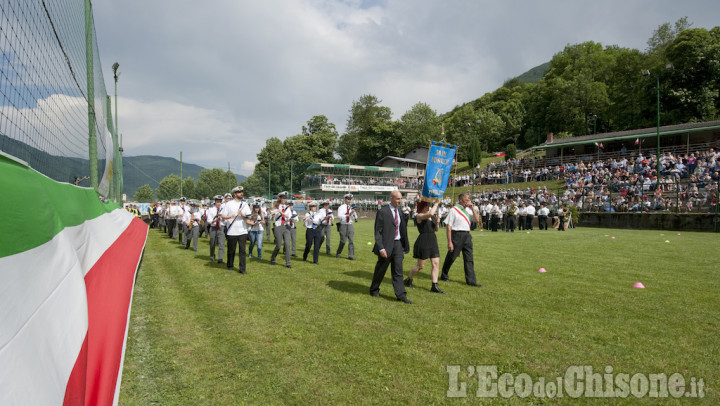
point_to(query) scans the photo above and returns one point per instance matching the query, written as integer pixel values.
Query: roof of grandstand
(359, 167)
(632, 134)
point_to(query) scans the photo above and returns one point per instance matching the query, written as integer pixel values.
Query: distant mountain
(535, 74)
(151, 169)
(137, 170)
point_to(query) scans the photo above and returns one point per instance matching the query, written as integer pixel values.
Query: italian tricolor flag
(67, 271)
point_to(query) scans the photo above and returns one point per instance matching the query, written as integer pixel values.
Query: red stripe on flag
(109, 286)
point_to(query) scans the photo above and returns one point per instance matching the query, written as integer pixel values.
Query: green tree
(188, 188)
(144, 194)
(418, 126)
(662, 37)
(169, 188)
(694, 80)
(369, 134)
(510, 151)
(213, 182)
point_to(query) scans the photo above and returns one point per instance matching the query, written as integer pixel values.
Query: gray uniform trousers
(326, 234)
(347, 232)
(293, 237)
(282, 236)
(192, 234)
(217, 239)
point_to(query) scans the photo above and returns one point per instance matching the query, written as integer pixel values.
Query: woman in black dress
(426, 246)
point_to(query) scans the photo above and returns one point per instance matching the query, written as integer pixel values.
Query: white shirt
(326, 216)
(343, 214)
(530, 210)
(212, 217)
(544, 211)
(258, 226)
(282, 211)
(241, 210)
(396, 215)
(457, 221)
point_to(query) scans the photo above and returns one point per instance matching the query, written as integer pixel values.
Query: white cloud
(216, 79)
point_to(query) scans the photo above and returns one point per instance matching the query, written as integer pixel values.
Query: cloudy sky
(216, 78)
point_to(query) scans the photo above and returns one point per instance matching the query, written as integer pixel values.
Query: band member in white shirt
(294, 218)
(236, 213)
(192, 223)
(459, 238)
(281, 213)
(542, 217)
(181, 229)
(217, 230)
(256, 230)
(529, 216)
(171, 219)
(347, 216)
(312, 234)
(326, 226)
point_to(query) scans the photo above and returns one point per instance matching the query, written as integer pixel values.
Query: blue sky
(215, 79)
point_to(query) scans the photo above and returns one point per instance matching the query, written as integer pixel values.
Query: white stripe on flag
(43, 309)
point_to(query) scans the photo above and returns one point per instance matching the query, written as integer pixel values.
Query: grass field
(202, 335)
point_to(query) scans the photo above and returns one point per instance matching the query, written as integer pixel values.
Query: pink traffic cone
(639, 285)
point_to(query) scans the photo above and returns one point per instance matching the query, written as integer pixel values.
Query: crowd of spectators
(401, 183)
(688, 182)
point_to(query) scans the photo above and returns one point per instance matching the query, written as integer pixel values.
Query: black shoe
(315, 262)
(408, 283)
(337, 255)
(375, 294)
(351, 258)
(243, 272)
(293, 255)
(230, 268)
(212, 259)
(288, 266)
(444, 278)
(405, 300)
(221, 262)
(476, 285)
(436, 289)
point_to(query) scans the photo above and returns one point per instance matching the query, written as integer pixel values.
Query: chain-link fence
(54, 108)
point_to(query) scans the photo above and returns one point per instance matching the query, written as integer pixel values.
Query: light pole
(657, 90)
(119, 151)
(473, 161)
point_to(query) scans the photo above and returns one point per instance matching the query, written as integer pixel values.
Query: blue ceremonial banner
(437, 172)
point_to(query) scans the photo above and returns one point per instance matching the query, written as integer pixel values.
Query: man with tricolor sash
(459, 238)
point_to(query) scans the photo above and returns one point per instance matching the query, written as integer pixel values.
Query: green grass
(200, 334)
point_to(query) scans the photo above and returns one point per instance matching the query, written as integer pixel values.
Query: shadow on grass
(360, 274)
(350, 287)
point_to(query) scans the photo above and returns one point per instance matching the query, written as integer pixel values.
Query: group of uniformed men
(508, 215)
(231, 219)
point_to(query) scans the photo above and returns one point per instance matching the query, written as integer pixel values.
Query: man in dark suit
(391, 244)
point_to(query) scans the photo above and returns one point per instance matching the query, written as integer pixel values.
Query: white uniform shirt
(530, 210)
(239, 209)
(457, 221)
(187, 216)
(197, 216)
(259, 225)
(308, 221)
(283, 210)
(294, 218)
(544, 211)
(343, 214)
(326, 216)
(212, 217)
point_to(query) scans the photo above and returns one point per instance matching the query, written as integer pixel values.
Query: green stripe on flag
(37, 208)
